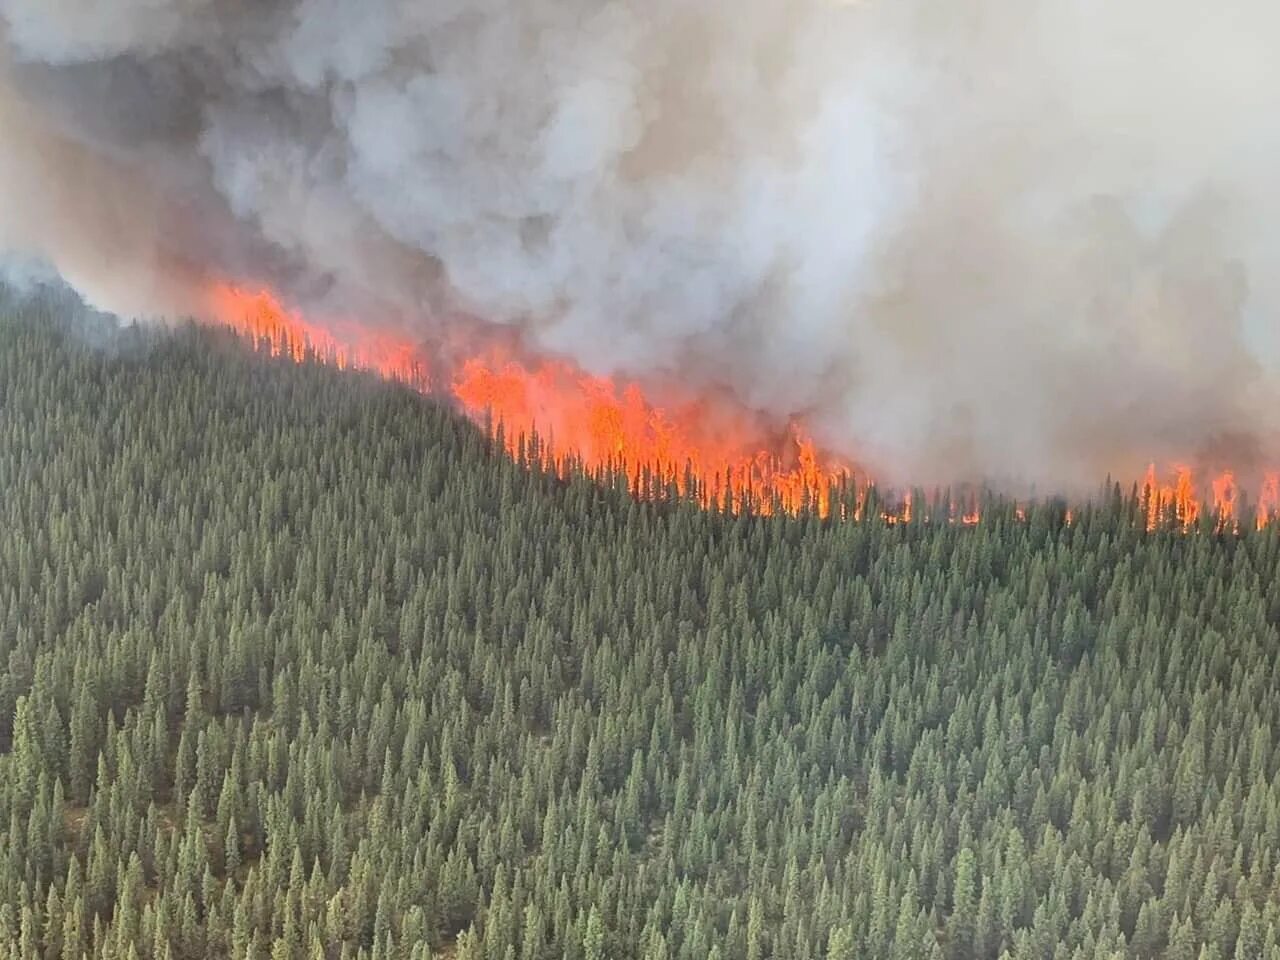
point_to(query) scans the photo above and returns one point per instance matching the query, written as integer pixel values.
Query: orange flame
(1225, 498)
(1268, 500)
(605, 425)
(260, 317)
(903, 513)
(1178, 497)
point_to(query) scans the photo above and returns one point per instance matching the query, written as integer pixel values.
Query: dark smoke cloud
(1016, 238)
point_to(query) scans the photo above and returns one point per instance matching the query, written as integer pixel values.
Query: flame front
(1268, 499)
(600, 424)
(1177, 500)
(595, 421)
(1178, 497)
(259, 316)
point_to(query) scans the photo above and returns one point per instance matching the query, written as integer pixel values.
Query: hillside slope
(294, 666)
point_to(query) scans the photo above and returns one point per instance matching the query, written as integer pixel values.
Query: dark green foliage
(295, 666)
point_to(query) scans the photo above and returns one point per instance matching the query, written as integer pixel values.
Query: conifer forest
(297, 663)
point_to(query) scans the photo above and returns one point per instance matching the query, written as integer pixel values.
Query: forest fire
(1268, 499)
(590, 420)
(599, 424)
(260, 316)
(1177, 501)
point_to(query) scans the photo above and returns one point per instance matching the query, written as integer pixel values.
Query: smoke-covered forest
(295, 665)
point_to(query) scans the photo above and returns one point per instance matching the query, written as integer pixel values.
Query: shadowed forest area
(295, 665)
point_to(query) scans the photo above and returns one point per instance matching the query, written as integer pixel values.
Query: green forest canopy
(296, 666)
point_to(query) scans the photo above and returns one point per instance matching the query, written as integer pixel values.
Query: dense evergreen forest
(296, 666)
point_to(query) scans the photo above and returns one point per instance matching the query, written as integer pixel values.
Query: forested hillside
(295, 666)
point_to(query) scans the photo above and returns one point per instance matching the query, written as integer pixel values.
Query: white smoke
(24, 275)
(1015, 238)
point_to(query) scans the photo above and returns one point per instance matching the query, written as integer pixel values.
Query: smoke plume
(1012, 238)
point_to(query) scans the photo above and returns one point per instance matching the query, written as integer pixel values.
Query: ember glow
(719, 454)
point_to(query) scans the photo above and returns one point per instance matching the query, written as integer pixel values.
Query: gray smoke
(1013, 238)
(26, 276)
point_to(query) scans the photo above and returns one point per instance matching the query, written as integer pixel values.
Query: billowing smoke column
(1030, 239)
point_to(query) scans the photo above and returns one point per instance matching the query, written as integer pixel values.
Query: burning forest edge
(591, 424)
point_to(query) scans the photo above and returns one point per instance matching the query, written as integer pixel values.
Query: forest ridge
(296, 665)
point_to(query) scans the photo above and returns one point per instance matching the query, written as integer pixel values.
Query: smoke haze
(1006, 238)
